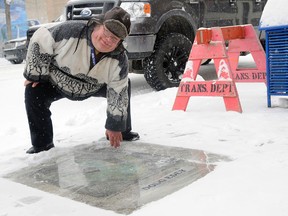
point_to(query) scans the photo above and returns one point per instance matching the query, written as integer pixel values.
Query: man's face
(103, 40)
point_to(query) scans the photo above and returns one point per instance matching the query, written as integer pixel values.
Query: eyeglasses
(110, 35)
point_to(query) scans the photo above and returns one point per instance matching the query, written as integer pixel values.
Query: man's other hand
(27, 82)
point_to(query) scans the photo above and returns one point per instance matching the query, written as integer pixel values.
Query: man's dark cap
(117, 21)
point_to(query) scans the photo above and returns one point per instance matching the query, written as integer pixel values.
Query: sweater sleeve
(118, 100)
(39, 56)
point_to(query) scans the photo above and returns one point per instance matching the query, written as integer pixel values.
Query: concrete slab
(121, 180)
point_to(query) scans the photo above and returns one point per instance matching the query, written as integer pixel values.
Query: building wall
(45, 10)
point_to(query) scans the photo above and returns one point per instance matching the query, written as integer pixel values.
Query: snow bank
(274, 14)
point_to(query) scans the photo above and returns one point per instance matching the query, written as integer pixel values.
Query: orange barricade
(212, 44)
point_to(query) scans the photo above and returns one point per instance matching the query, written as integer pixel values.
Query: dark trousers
(38, 101)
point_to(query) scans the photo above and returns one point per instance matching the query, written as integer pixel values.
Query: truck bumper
(15, 54)
(139, 46)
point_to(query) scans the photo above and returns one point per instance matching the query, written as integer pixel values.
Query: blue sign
(18, 16)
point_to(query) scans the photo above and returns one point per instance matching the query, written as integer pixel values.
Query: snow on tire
(164, 68)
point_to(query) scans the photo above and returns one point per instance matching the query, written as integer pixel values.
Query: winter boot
(34, 149)
(130, 136)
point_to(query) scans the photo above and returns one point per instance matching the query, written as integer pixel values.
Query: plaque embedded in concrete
(122, 179)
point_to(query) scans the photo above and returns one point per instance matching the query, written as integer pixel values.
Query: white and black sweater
(62, 55)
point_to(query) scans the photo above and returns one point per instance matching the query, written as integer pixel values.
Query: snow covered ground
(253, 183)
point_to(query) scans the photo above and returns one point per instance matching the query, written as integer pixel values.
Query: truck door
(218, 13)
(248, 11)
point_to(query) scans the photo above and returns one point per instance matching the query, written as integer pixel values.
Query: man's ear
(96, 20)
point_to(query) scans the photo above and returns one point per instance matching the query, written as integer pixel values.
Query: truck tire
(206, 61)
(164, 68)
(16, 61)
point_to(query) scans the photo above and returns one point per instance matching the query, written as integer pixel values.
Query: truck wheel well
(176, 24)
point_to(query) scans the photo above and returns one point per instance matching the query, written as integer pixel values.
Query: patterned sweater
(62, 55)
